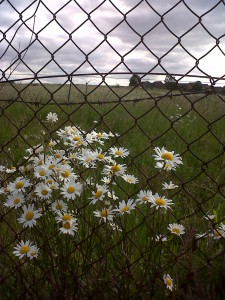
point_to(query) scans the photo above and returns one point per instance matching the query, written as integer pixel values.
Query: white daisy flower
(169, 186)
(66, 173)
(65, 217)
(87, 159)
(209, 217)
(11, 170)
(23, 249)
(43, 191)
(71, 189)
(176, 229)
(41, 172)
(59, 206)
(119, 152)
(106, 214)
(165, 166)
(160, 202)
(15, 200)
(52, 117)
(126, 207)
(144, 197)
(99, 194)
(108, 180)
(114, 169)
(130, 179)
(33, 253)
(167, 156)
(52, 183)
(69, 228)
(112, 196)
(218, 232)
(161, 237)
(29, 216)
(100, 156)
(52, 143)
(168, 281)
(19, 185)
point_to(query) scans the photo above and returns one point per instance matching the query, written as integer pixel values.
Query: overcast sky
(149, 33)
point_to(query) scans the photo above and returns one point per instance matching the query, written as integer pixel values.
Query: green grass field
(129, 264)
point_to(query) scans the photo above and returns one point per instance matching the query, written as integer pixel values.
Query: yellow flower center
(70, 189)
(76, 138)
(42, 173)
(160, 201)
(217, 233)
(98, 194)
(44, 192)
(66, 217)
(99, 135)
(58, 206)
(67, 225)
(49, 181)
(104, 213)
(40, 162)
(168, 281)
(125, 208)
(118, 153)
(5, 189)
(176, 230)
(100, 156)
(29, 215)
(115, 168)
(52, 166)
(129, 180)
(19, 184)
(16, 201)
(50, 144)
(167, 156)
(78, 143)
(24, 249)
(65, 174)
(144, 198)
(57, 155)
(88, 159)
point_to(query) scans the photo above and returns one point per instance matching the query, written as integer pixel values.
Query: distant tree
(170, 82)
(223, 91)
(134, 80)
(197, 86)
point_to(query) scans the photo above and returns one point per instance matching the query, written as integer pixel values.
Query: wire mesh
(181, 112)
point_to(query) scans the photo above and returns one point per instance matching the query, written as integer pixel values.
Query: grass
(99, 262)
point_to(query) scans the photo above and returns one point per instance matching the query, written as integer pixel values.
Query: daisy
(144, 197)
(99, 194)
(18, 185)
(169, 186)
(106, 214)
(71, 189)
(15, 200)
(107, 180)
(165, 166)
(65, 217)
(41, 171)
(66, 173)
(209, 217)
(29, 216)
(52, 117)
(112, 195)
(58, 206)
(52, 183)
(176, 229)
(87, 159)
(69, 228)
(11, 170)
(218, 232)
(114, 169)
(167, 156)
(160, 237)
(130, 179)
(23, 249)
(160, 202)
(102, 156)
(33, 253)
(119, 152)
(126, 207)
(43, 191)
(168, 281)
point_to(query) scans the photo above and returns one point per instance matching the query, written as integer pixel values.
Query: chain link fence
(139, 71)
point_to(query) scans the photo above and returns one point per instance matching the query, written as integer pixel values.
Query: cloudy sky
(91, 36)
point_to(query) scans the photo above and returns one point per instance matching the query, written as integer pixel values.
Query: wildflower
(161, 238)
(218, 232)
(19, 185)
(99, 194)
(167, 156)
(169, 186)
(209, 217)
(126, 207)
(58, 206)
(112, 195)
(41, 171)
(114, 169)
(29, 216)
(71, 189)
(160, 202)
(144, 197)
(176, 229)
(43, 191)
(168, 281)
(130, 179)
(106, 214)
(119, 152)
(69, 228)
(52, 117)
(15, 200)
(168, 166)
(87, 158)
(25, 249)
(65, 217)
(66, 173)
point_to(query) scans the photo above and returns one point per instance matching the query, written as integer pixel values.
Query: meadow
(130, 260)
